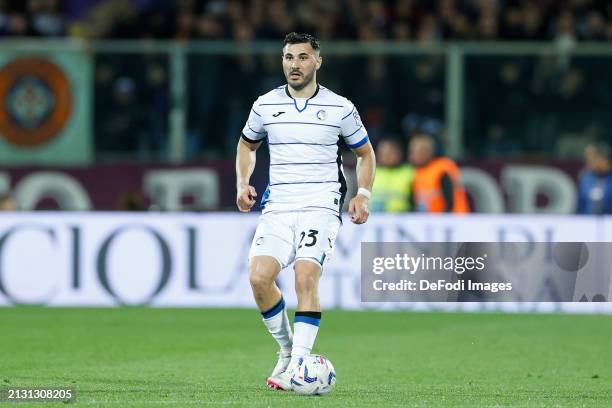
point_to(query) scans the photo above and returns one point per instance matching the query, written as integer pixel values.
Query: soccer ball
(314, 375)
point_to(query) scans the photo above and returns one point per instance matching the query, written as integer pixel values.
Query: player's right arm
(253, 134)
(245, 164)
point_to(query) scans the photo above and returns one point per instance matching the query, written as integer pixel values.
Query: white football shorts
(292, 235)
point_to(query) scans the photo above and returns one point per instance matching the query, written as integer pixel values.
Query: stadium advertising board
(493, 188)
(186, 260)
(607, 229)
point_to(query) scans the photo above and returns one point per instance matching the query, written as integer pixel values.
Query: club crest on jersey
(321, 115)
(259, 241)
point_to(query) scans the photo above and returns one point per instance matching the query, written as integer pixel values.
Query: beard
(307, 80)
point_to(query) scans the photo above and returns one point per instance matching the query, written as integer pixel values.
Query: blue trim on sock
(276, 309)
(308, 320)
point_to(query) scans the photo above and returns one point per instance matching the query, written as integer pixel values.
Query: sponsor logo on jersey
(277, 114)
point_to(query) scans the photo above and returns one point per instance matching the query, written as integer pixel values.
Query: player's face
(300, 64)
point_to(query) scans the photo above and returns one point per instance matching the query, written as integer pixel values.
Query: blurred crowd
(424, 180)
(513, 106)
(549, 105)
(402, 20)
(536, 105)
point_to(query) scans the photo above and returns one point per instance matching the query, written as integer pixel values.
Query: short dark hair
(301, 38)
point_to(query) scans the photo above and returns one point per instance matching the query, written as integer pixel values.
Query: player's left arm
(366, 170)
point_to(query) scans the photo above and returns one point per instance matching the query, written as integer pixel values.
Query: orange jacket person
(437, 184)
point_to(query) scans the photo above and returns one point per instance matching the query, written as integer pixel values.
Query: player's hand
(245, 197)
(358, 209)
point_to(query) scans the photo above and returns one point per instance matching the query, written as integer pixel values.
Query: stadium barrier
(499, 187)
(200, 260)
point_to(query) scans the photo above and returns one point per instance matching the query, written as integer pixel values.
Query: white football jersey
(304, 136)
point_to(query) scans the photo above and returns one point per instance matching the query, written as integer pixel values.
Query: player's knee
(305, 283)
(259, 281)
(260, 276)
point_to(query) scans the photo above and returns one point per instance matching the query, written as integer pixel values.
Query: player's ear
(319, 60)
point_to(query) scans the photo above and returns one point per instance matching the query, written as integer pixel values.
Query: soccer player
(304, 124)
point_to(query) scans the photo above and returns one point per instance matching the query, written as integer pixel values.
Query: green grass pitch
(131, 357)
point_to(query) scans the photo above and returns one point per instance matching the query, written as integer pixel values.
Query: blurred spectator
(453, 22)
(132, 201)
(17, 25)
(122, 129)
(534, 23)
(7, 202)
(512, 24)
(418, 93)
(498, 143)
(374, 97)
(565, 30)
(46, 18)
(593, 27)
(437, 184)
(595, 187)
(157, 98)
(487, 24)
(503, 119)
(131, 105)
(429, 31)
(393, 184)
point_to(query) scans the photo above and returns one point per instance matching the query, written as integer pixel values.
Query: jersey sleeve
(352, 130)
(253, 130)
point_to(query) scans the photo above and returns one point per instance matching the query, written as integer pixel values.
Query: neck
(307, 92)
